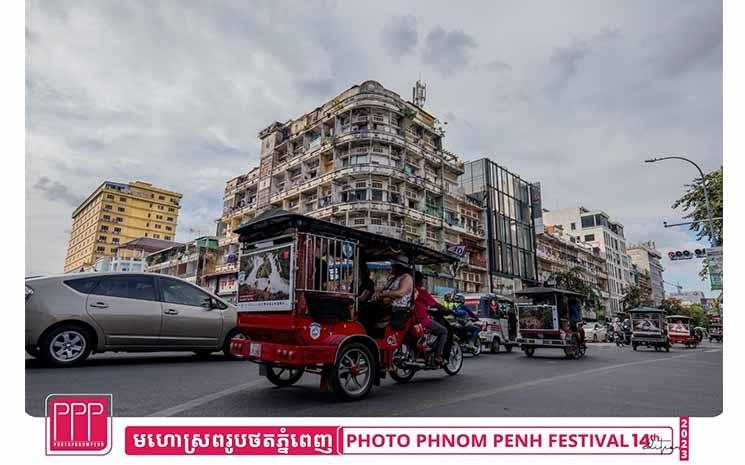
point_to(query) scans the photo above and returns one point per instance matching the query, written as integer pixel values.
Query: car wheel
(353, 373)
(234, 333)
(67, 345)
(282, 376)
(495, 345)
(203, 353)
(529, 351)
(508, 347)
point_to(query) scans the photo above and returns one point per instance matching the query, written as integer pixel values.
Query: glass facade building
(512, 208)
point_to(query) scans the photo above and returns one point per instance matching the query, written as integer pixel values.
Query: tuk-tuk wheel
(284, 376)
(634, 346)
(494, 348)
(667, 348)
(353, 373)
(508, 347)
(529, 351)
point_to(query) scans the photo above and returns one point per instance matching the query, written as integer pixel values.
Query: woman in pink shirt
(424, 301)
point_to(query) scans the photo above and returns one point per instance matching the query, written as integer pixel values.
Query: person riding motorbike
(422, 303)
(466, 317)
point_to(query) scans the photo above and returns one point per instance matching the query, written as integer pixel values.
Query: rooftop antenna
(419, 93)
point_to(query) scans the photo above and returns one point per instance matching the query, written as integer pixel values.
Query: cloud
(175, 94)
(447, 51)
(498, 65)
(400, 36)
(56, 191)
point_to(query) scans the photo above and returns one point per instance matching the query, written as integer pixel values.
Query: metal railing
(329, 265)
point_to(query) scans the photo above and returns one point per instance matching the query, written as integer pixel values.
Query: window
(119, 219)
(109, 196)
(158, 217)
(168, 228)
(104, 228)
(122, 199)
(177, 292)
(168, 238)
(102, 238)
(157, 226)
(589, 237)
(170, 218)
(121, 209)
(83, 285)
(100, 249)
(588, 221)
(128, 287)
(160, 197)
(171, 209)
(114, 240)
(107, 218)
(574, 226)
(117, 230)
(157, 236)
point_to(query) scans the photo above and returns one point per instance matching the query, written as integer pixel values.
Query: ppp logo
(78, 424)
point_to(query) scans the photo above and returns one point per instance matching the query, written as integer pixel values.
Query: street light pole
(710, 217)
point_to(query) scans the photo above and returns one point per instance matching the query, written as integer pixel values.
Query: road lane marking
(536, 382)
(713, 350)
(176, 409)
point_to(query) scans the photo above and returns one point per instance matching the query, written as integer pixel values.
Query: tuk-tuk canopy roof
(277, 222)
(646, 310)
(679, 317)
(531, 291)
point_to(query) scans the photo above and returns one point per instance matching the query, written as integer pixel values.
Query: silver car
(69, 316)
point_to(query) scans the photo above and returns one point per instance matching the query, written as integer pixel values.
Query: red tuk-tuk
(546, 322)
(680, 330)
(298, 306)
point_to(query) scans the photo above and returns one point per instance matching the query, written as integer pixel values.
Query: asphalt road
(609, 381)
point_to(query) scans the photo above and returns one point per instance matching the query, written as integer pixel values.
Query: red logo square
(78, 424)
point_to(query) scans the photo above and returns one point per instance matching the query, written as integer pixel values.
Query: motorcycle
(461, 333)
(416, 352)
(622, 339)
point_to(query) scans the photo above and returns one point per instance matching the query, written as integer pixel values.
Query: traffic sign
(715, 266)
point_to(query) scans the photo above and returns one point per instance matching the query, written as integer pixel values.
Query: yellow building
(117, 213)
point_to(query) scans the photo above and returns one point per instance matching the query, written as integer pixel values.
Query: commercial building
(688, 298)
(131, 256)
(597, 229)
(116, 213)
(192, 261)
(366, 159)
(648, 259)
(558, 252)
(512, 205)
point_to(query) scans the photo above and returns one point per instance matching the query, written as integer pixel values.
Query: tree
(671, 306)
(635, 297)
(571, 280)
(694, 205)
(697, 312)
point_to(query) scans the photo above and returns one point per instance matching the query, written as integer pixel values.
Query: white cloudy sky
(575, 94)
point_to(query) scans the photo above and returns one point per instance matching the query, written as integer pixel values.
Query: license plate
(255, 350)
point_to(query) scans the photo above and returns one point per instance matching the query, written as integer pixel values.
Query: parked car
(595, 332)
(70, 316)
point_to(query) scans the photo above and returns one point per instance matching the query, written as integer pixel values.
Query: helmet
(459, 299)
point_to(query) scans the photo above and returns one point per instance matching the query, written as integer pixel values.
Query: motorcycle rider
(462, 314)
(422, 303)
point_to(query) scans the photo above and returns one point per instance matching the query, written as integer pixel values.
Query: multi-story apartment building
(559, 252)
(116, 213)
(510, 205)
(366, 159)
(192, 261)
(596, 228)
(648, 259)
(131, 255)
